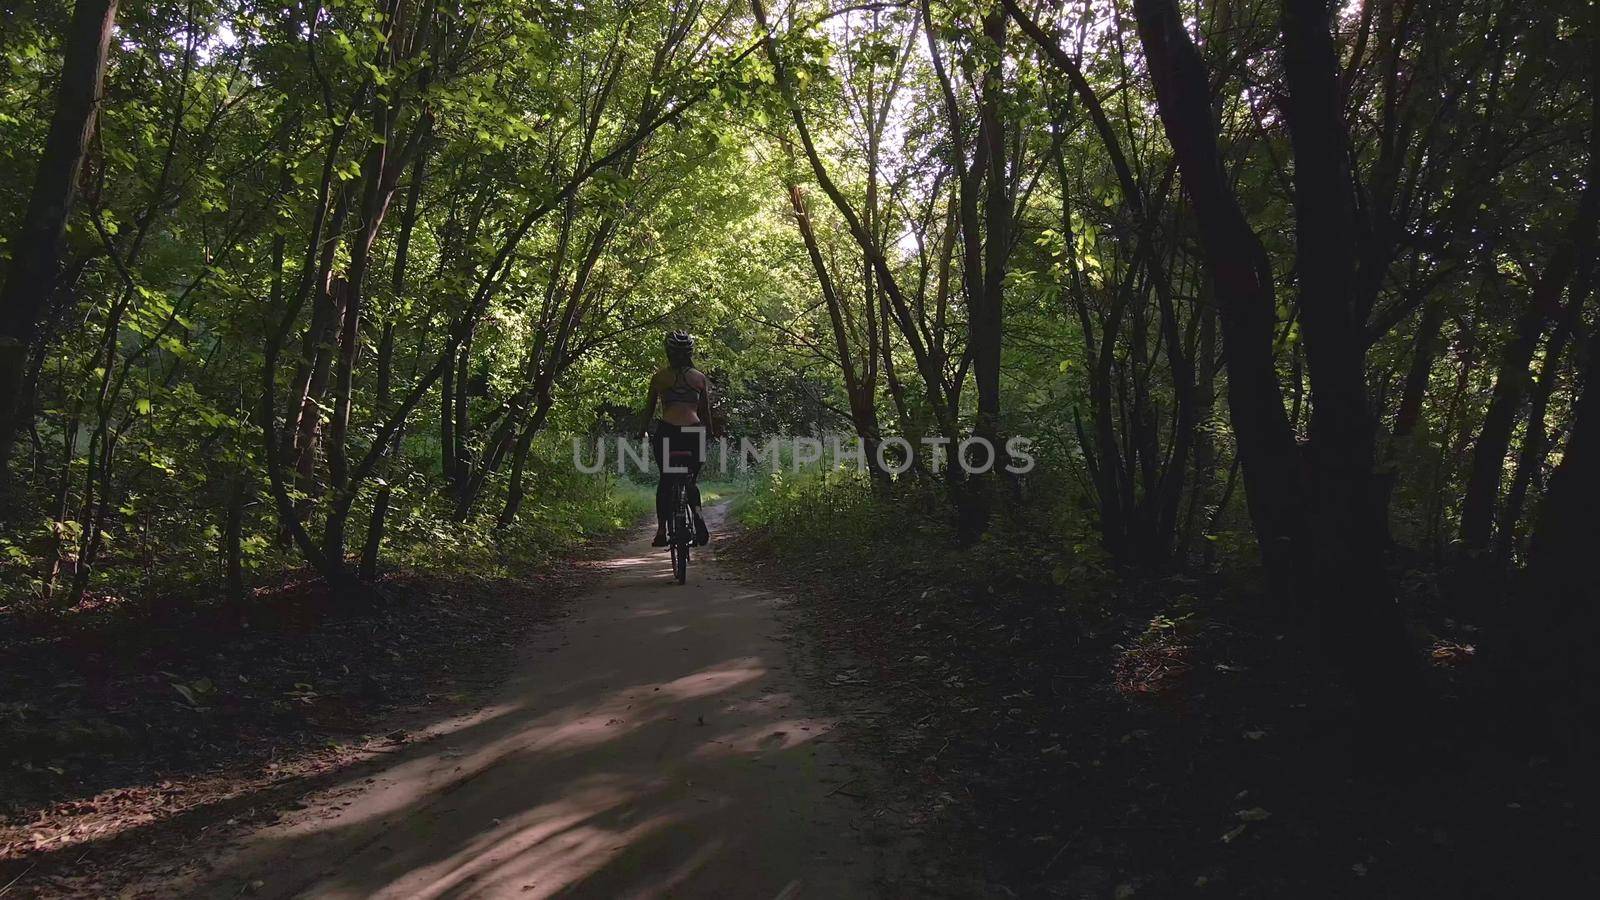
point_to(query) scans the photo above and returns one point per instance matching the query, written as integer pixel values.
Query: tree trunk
(1424, 348)
(519, 462)
(1241, 281)
(463, 423)
(989, 320)
(1359, 622)
(36, 248)
(928, 365)
(374, 202)
(1568, 531)
(385, 364)
(858, 392)
(326, 319)
(1494, 436)
(1548, 646)
(233, 539)
(374, 543)
(1512, 379)
(1536, 439)
(447, 421)
(1205, 445)
(316, 354)
(1157, 520)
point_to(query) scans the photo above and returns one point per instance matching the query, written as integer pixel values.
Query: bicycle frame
(680, 526)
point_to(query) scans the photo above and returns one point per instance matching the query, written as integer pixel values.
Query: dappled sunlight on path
(653, 745)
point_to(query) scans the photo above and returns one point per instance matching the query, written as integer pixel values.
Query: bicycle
(680, 525)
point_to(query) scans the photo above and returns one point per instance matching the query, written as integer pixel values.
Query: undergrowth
(903, 530)
(158, 561)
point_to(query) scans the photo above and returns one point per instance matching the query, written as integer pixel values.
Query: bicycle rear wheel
(682, 535)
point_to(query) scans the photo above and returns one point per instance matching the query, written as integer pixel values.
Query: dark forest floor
(1135, 739)
(1058, 745)
(128, 735)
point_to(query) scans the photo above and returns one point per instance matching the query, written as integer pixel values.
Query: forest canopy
(1294, 288)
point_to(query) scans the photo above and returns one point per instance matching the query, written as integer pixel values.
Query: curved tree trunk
(1241, 280)
(1494, 436)
(1536, 439)
(1513, 378)
(516, 489)
(36, 248)
(1315, 523)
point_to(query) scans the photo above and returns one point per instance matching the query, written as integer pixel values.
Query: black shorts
(688, 441)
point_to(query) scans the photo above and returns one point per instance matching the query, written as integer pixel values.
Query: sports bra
(681, 391)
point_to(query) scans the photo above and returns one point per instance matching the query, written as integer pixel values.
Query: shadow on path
(652, 746)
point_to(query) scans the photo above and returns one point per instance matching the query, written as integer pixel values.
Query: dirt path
(655, 744)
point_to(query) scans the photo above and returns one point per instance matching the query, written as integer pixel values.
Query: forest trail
(653, 744)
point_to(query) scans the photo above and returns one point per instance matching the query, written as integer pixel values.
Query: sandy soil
(654, 745)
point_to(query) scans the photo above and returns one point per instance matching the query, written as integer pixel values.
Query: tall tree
(35, 250)
(1315, 514)
(1359, 619)
(1513, 379)
(1242, 283)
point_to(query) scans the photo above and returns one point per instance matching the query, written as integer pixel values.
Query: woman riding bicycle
(684, 395)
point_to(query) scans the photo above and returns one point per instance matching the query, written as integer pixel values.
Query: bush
(837, 516)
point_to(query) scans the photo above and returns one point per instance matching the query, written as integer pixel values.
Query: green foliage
(571, 180)
(570, 509)
(835, 518)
